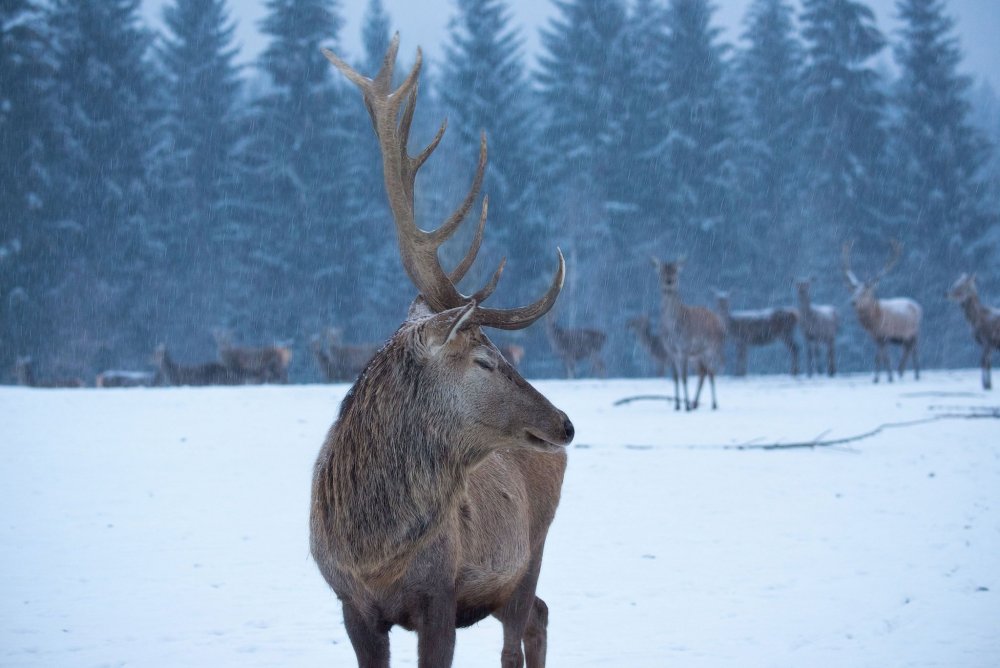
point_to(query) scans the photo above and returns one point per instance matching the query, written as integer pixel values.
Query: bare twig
(644, 397)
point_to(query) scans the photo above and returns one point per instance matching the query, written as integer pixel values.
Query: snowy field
(168, 527)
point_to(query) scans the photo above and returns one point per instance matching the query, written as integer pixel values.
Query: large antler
(418, 248)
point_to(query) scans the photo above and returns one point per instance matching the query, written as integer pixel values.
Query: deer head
(670, 273)
(441, 352)
(964, 288)
(863, 293)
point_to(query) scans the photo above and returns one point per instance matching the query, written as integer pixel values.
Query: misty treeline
(154, 189)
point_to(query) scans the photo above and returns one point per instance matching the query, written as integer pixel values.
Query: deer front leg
(436, 631)
(793, 350)
(985, 363)
(809, 357)
(701, 381)
(369, 637)
(830, 361)
(879, 353)
(684, 382)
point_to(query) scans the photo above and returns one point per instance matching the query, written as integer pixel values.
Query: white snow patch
(168, 527)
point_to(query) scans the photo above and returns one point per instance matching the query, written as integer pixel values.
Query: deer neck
(974, 311)
(870, 314)
(396, 472)
(671, 308)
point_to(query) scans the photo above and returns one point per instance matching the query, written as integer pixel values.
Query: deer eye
(484, 363)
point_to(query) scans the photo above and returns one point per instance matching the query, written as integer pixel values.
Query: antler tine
(441, 234)
(459, 272)
(488, 289)
(519, 318)
(845, 260)
(895, 252)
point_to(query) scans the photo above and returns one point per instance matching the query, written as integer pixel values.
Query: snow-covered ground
(168, 527)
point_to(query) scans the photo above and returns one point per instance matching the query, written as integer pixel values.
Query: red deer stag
(575, 345)
(208, 373)
(24, 370)
(651, 342)
(338, 361)
(691, 335)
(758, 328)
(985, 321)
(434, 490)
(819, 323)
(266, 364)
(895, 320)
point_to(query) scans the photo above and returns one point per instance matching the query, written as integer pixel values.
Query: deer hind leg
(907, 349)
(598, 364)
(916, 359)
(810, 343)
(525, 622)
(369, 638)
(536, 635)
(793, 350)
(684, 382)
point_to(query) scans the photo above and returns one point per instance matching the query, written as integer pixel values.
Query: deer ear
(444, 327)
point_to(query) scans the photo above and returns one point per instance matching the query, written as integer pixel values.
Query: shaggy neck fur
(397, 465)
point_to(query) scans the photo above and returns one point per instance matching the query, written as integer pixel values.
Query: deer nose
(568, 428)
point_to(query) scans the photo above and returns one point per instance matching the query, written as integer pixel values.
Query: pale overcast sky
(424, 23)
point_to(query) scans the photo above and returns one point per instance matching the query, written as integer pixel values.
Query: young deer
(691, 335)
(208, 373)
(895, 320)
(758, 328)
(513, 353)
(651, 342)
(435, 488)
(985, 321)
(261, 365)
(24, 370)
(819, 323)
(575, 345)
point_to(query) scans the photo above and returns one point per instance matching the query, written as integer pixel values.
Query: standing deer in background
(819, 323)
(758, 328)
(24, 370)
(895, 320)
(691, 335)
(651, 342)
(262, 365)
(207, 373)
(575, 345)
(984, 319)
(339, 361)
(435, 488)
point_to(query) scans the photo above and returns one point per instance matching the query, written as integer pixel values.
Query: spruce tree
(302, 177)
(843, 118)
(582, 82)
(938, 151)
(770, 134)
(939, 157)
(483, 88)
(699, 148)
(198, 163)
(24, 264)
(375, 35)
(104, 131)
